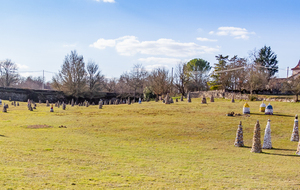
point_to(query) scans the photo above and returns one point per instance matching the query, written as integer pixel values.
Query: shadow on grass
(275, 114)
(291, 155)
(2, 136)
(276, 154)
(283, 149)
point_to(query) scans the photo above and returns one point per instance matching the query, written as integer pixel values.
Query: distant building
(296, 70)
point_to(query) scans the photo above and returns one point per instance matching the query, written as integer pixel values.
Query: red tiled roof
(297, 67)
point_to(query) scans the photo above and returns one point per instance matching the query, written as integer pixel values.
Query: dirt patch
(38, 126)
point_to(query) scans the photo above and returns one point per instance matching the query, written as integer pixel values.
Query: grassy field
(145, 146)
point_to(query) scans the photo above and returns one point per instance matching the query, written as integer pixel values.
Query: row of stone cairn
(169, 100)
(5, 106)
(267, 144)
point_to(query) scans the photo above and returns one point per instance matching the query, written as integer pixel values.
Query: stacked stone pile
(167, 99)
(239, 142)
(203, 100)
(128, 101)
(189, 97)
(267, 138)
(100, 104)
(232, 99)
(181, 98)
(256, 143)
(295, 134)
(212, 99)
(47, 103)
(4, 108)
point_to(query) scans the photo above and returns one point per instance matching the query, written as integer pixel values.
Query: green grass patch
(145, 146)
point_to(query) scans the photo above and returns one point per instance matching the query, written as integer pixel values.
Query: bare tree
(159, 81)
(30, 82)
(181, 78)
(71, 79)
(292, 85)
(8, 72)
(95, 79)
(256, 78)
(110, 84)
(135, 79)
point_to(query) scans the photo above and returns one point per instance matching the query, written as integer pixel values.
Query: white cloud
(237, 33)
(20, 66)
(106, 1)
(206, 40)
(102, 43)
(130, 45)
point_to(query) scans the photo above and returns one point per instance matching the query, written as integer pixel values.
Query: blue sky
(117, 34)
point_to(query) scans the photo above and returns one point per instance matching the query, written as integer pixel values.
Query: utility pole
(43, 86)
(287, 72)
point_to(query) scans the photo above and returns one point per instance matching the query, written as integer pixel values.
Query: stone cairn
(267, 138)
(18, 104)
(72, 102)
(189, 97)
(167, 99)
(40, 101)
(4, 108)
(295, 134)
(87, 104)
(12, 103)
(128, 101)
(203, 100)
(34, 106)
(15, 103)
(100, 104)
(181, 98)
(29, 105)
(212, 99)
(256, 144)
(64, 106)
(239, 141)
(58, 104)
(171, 100)
(232, 99)
(51, 108)
(47, 103)
(156, 99)
(176, 100)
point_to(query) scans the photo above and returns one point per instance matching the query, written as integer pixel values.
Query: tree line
(78, 79)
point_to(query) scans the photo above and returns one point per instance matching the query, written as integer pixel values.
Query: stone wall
(219, 94)
(19, 94)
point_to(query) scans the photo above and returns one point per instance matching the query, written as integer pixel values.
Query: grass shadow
(276, 154)
(282, 149)
(2, 136)
(281, 115)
